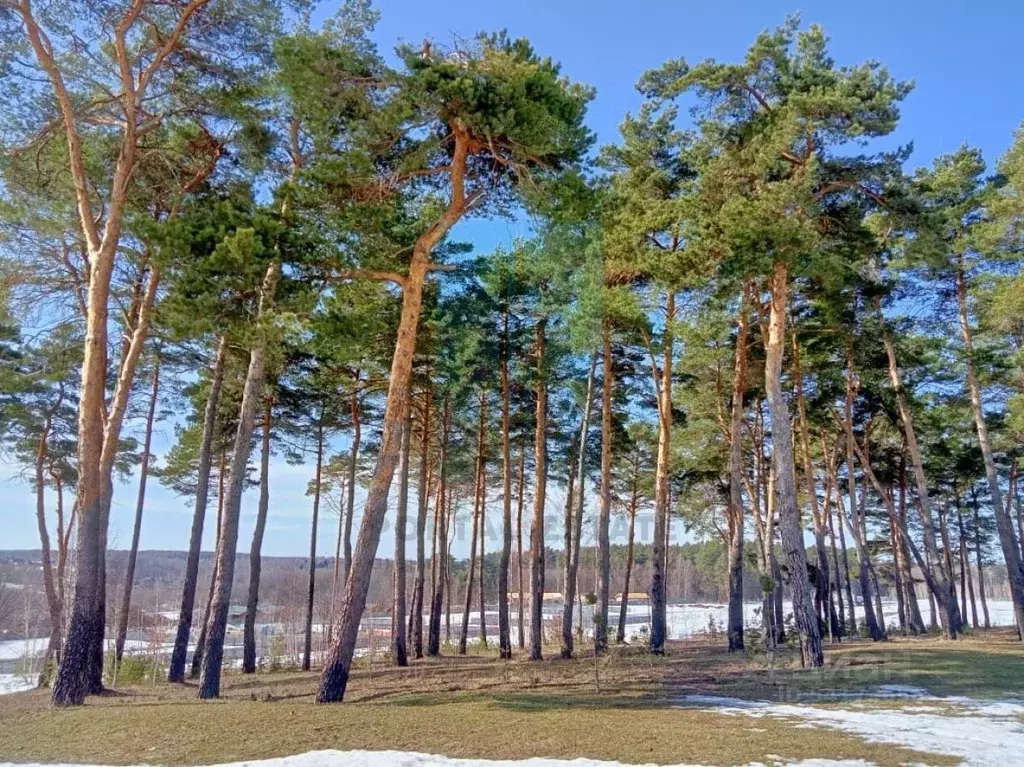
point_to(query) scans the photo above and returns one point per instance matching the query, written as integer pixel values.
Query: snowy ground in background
(15, 683)
(981, 732)
(409, 759)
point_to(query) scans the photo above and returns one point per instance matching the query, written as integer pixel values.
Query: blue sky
(966, 60)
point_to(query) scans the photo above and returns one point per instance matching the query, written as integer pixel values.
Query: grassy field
(478, 706)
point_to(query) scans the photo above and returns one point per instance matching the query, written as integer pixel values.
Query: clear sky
(967, 59)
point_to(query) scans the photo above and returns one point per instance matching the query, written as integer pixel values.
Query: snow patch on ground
(15, 683)
(982, 733)
(411, 759)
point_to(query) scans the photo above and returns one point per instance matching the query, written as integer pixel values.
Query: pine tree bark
(255, 550)
(981, 567)
(339, 659)
(539, 501)
(853, 519)
(422, 501)
(567, 537)
(782, 459)
(307, 650)
(604, 514)
(197, 655)
(966, 581)
(438, 563)
(176, 671)
(521, 492)
(353, 465)
(477, 509)
(504, 634)
(661, 486)
(399, 651)
(1004, 525)
(620, 635)
(213, 655)
(572, 559)
(914, 619)
(735, 520)
(129, 576)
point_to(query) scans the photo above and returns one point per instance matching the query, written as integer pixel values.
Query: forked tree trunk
(735, 519)
(661, 486)
(1004, 525)
(176, 671)
(124, 608)
(782, 459)
(213, 656)
(399, 652)
(422, 504)
(540, 493)
(252, 601)
(604, 514)
(574, 521)
(307, 650)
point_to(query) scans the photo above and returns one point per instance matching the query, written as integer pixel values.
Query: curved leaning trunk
(176, 671)
(255, 551)
(943, 579)
(1004, 525)
(197, 655)
(782, 459)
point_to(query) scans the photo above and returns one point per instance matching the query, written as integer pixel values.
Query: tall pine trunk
(307, 650)
(399, 652)
(785, 485)
(620, 635)
(736, 514)
(520, 502)
(422, 506)
(124, 608)
(604, 514)
(353, 465)
(575, 522)
(1004, 525)
(477, 514)
(438, 563)
(213, 656)
(951, 618)
(176, 671)
(252, 601)
(504, 635)
(540, 494)
(661, 486)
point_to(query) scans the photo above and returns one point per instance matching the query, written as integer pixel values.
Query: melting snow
(411, 759)
(982, 733)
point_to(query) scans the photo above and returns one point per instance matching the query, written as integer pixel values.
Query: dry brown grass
(479, 706)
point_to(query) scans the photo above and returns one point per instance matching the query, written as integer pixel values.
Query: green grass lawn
(479, 706)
